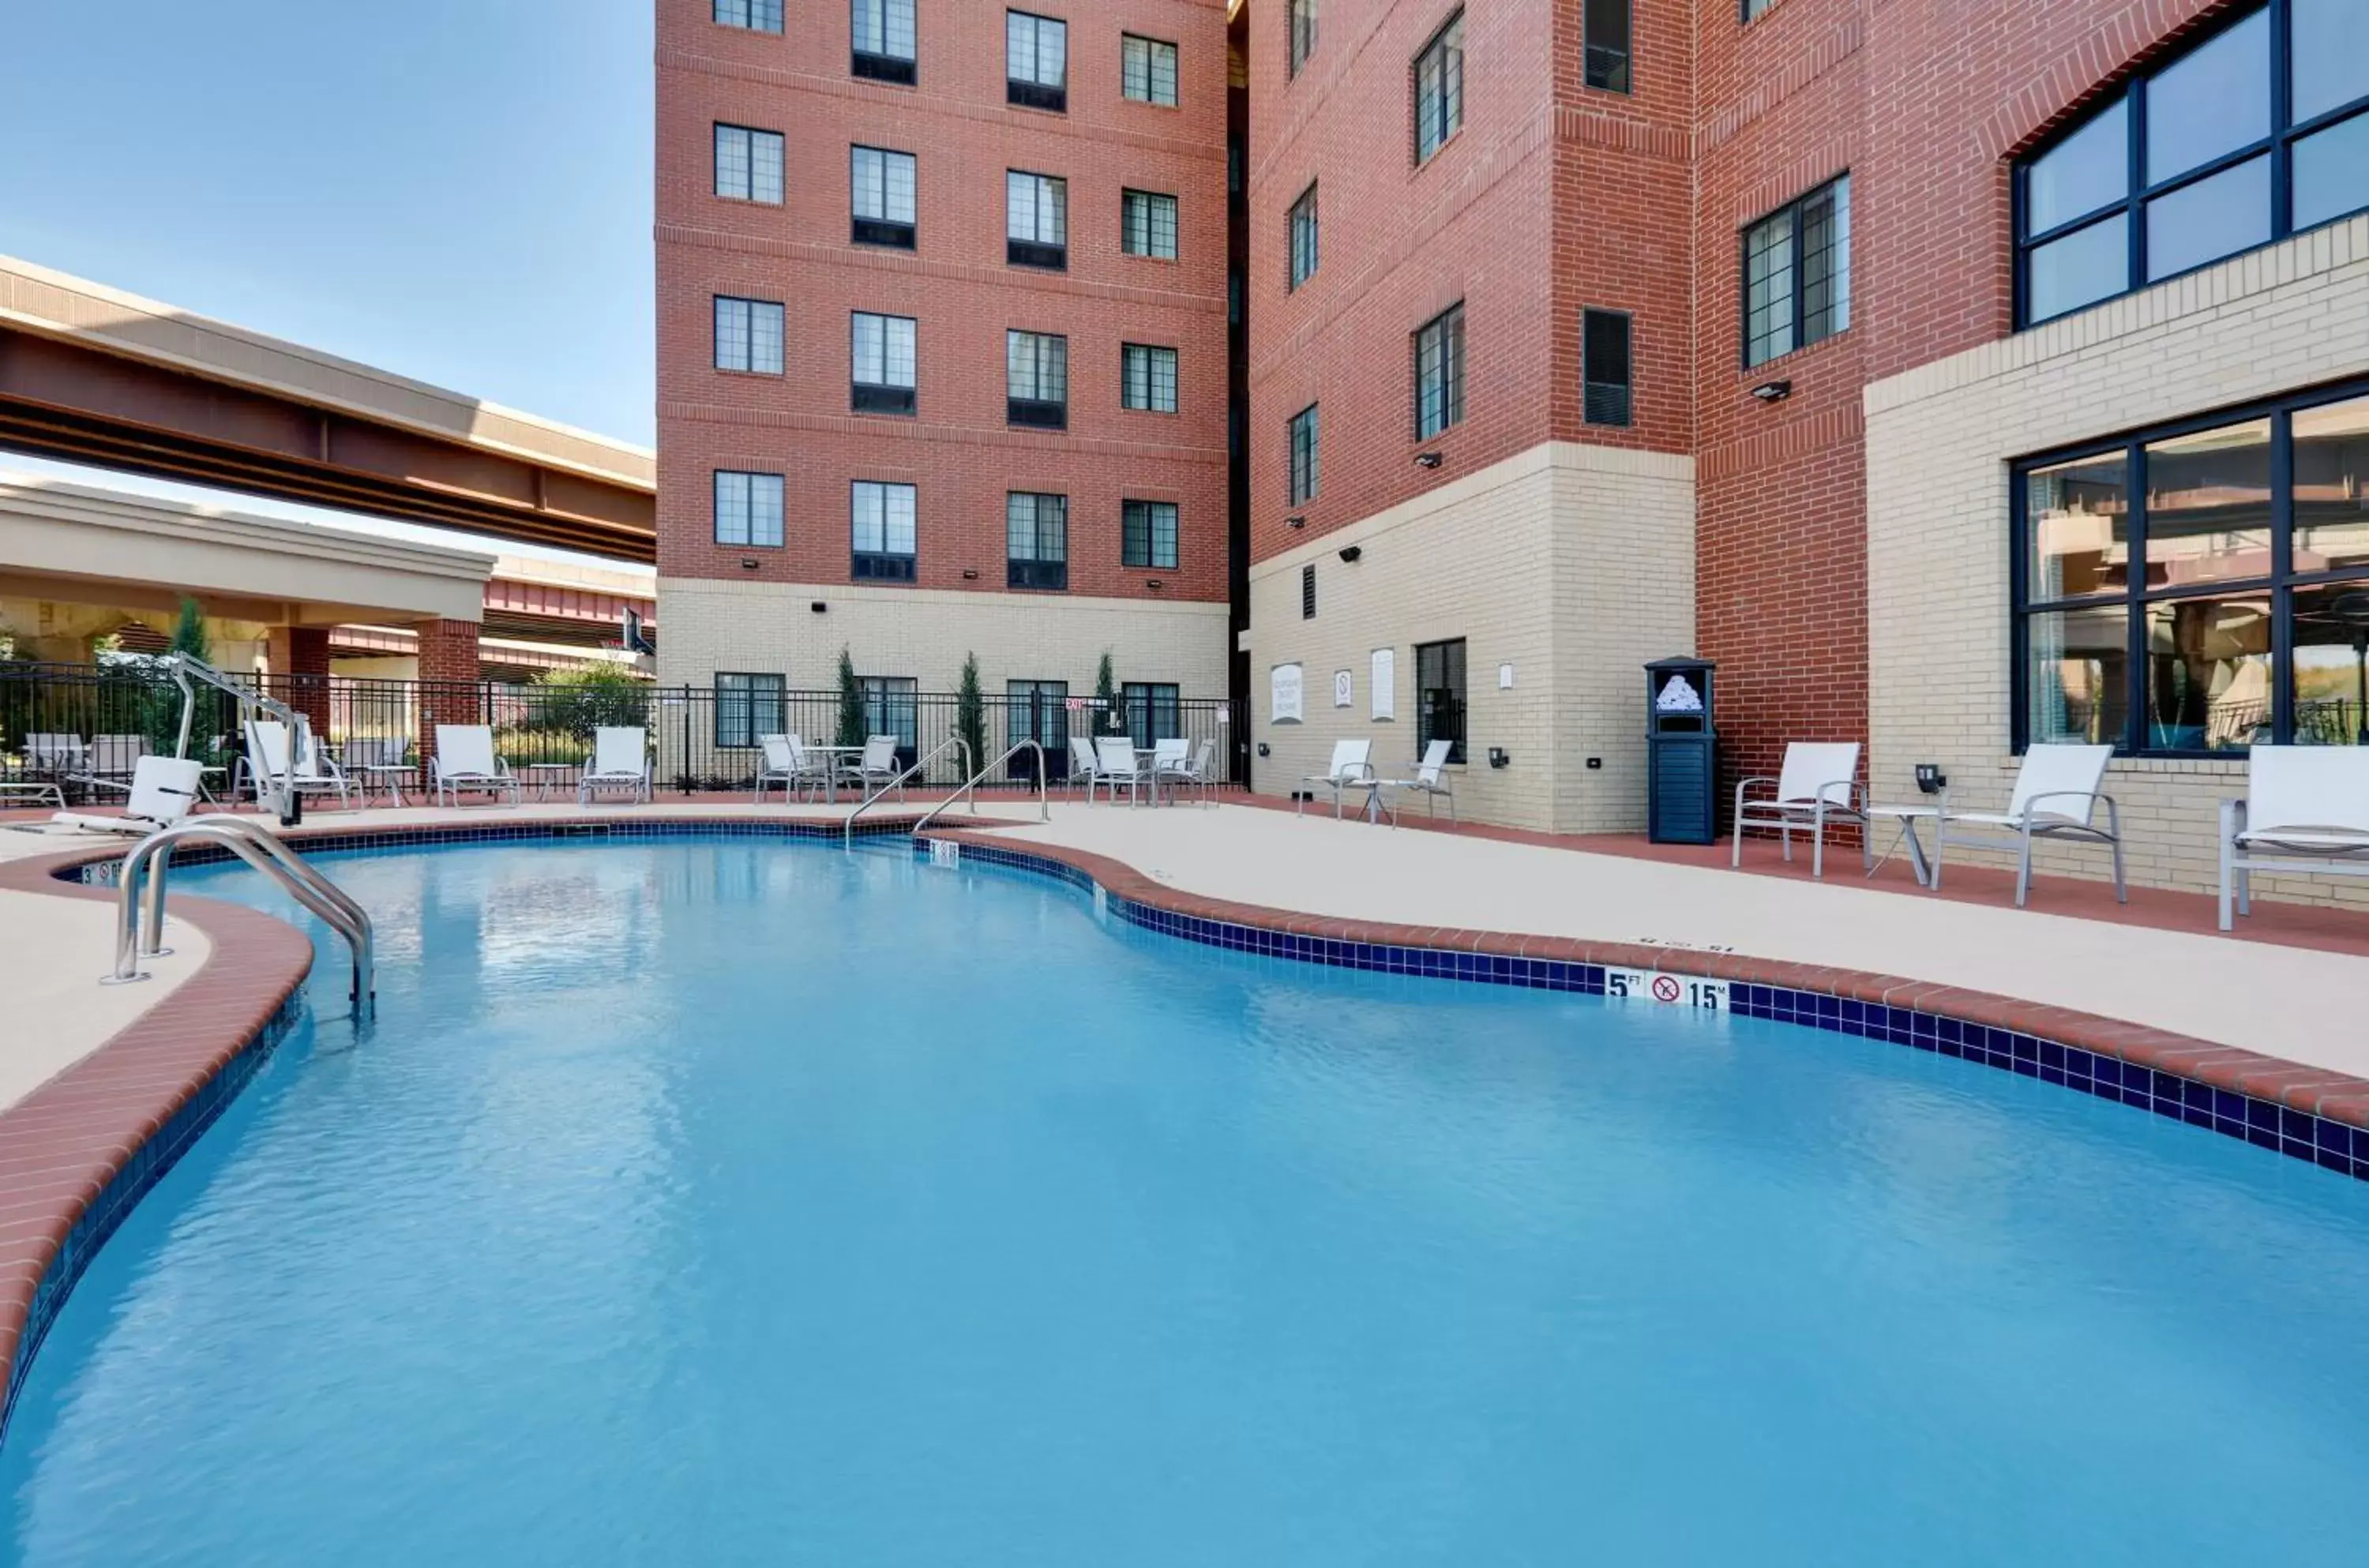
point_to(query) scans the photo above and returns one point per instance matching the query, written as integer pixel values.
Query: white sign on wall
(1386, 683)
(1283, 689)
(1344, 689)
(1505, 678)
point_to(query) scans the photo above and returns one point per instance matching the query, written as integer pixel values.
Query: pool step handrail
(970, 790)
(951, 743)
(258, 848)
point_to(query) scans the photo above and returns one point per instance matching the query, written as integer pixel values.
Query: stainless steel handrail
(265, 854)
(936, 751)
(1044, 801)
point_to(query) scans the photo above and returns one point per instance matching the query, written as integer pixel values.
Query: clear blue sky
(455, 189)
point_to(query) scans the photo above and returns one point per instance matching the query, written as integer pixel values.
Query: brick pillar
(449, 689)
(300, 669)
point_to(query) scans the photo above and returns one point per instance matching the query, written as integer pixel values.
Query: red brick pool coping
(63, 1144)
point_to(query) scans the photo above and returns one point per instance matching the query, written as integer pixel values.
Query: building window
(747, 509)
(1036, 61)
(2230, 145)
(1038, 711)
(2195, 589)
(1147, 70)
(1607, 23)
(1797, 274)
(1604, 367)
(1148, 378)
(1147, 534)
(881, 364)
(1301, 23)
(882, 32)
(1036, 219)
(1439, 373)
(1439, 88)
(1308, 592)
(1753, 7)
(1036, 541)
(881, 196)
(1303, 237)
(755, 16)
(881, 520)
(748, 336)
(1148, 224)
(1302, 444)
(747, 708)
(749, 164)
(891, 707)
(1154, 711)
(1036, 380)
(1440, 697)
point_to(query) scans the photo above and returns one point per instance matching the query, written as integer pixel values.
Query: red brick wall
(958, 453)
(299, 664)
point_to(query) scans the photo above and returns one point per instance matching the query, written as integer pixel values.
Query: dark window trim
(1588, 384)
(1604, 68)
(1314, 473)
(1792, 211)
(1414, 92)
(2278, 584)
(748, 703)
(1299, 43)
(881, 232)
(2129, 90)
(869, 397)
(880, 566)
(715, 521)
(890, 68)
(1127, 195)
(1451, 370)
(1036, 94)
(1176, 379)
(1152, 99)
(1037, 253)
(1036, 413)
(1425, 729)
(1150, 561)
(1294, 279)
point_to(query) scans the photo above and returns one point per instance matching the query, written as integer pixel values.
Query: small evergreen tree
(970, 713)
(851, 703)
(190, 632)
(1108, 720)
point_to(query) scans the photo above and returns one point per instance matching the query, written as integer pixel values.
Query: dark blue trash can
(1682, 747)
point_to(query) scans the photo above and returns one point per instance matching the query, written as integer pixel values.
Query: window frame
(1150, 47)
(1448, 325)
(1037, 413)
(1438, 43)
(1427, 729)
(1032, 91)
(1149, 558)
(884, 565)
(1588, 383)
(1306, 214)
(1300, 35)
(749, 347)
(1051, 256)
(1129, 199)
(749, 134)
(1153, 701)
(716, 508)
(2135, 597)
(1792, 212)
(1038, 571)
(1150, 352)
(1616, 76)
(2131, 208)
(755, 11)
(762, 689)
(880, 65)
(886, 395)
(1305, 479)
(894, 232)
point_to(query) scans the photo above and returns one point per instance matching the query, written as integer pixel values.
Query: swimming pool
(729, 1200)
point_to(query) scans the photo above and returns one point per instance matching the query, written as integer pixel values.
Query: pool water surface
(720, 1201)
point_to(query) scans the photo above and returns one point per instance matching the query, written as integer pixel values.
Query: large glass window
(1148, 224)
(1036, 541)
(1439, 88)
(1036, 219)
(756, 15)
(880, 521)
(2196, 591)
(1439, 696)
(2200, 158)
(749, 164)
(1439, 373)
(1303, 237)
(883, 38)
(1036, 380)
(1302, 444)
(1154, 711)
(1036, 61)
(1148, 378)
(748, 335)
(747, 706)
(1147, 535)
(881, 196)
(1147, 70)
(1797, 274)
(1606, 26)
(747, 509)
(1604, 367)
(891, 706)
(881, 364)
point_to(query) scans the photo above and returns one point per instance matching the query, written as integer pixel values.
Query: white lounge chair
(1116, 763)
(1430, 781)
(56, 757)
(1818, 784)
(2057, 794)
(464, 761)
(1169, 761)
(1352, 767)
(620, 763)
(110, 760)
(1086, 768)
(164, 791)
(2306, 811)
(1198, 769)
(876, 769)
(787, 763)
(265, 768)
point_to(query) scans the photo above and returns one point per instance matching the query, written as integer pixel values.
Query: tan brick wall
(1573, 564)
(1940, 439)
(768, 628)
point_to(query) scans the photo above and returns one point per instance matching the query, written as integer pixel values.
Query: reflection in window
(2209, 220)
(2078, 662)
(2331, 488)
(2208, 516)
(2331, 665)
(2086, 171)
(2208, 673)
(2213, 100)
(2079, 517)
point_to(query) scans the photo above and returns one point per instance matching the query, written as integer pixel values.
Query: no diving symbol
(1664, 988)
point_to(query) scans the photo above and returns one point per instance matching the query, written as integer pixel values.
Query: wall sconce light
(817, 607)
(1931, 779)
(1262, 749)
(1429, 460)
(1773, 391)
(970, 574)
(1295, 522)
(1498, 757)
(748, 563)
(1154, 582)
(1352, 552)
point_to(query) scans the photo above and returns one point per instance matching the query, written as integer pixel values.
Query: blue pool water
(722, 1201)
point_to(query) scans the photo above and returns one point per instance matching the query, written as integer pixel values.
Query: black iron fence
(58, 720)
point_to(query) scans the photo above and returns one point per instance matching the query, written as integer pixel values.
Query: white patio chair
(2057, 796)
(779, 766)
(466, 762)
(1817, 785)
(1086, 768)
(1352, 767)
(110, 760)
(164, 791)
(1116, 763)
(265, 767)
(1430, 781)
(1198, 770)
(1169, 761)
(2306, 811)
(876, 769)
(621, 763)
(57, 757)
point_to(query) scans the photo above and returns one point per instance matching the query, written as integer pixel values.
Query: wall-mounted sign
(1505, 678)
(1385, 683)
(1344, 689)
(1283, 695)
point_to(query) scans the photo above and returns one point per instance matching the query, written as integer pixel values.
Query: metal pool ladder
(952, 743)
(265, 853)
(970, 790)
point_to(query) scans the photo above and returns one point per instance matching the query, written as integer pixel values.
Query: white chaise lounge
(2058, 794)
(164, 791)
(2306, 811)
(465, 762)
(1352, 768)
(1817, 785)
(621, 765)
(265, 768)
